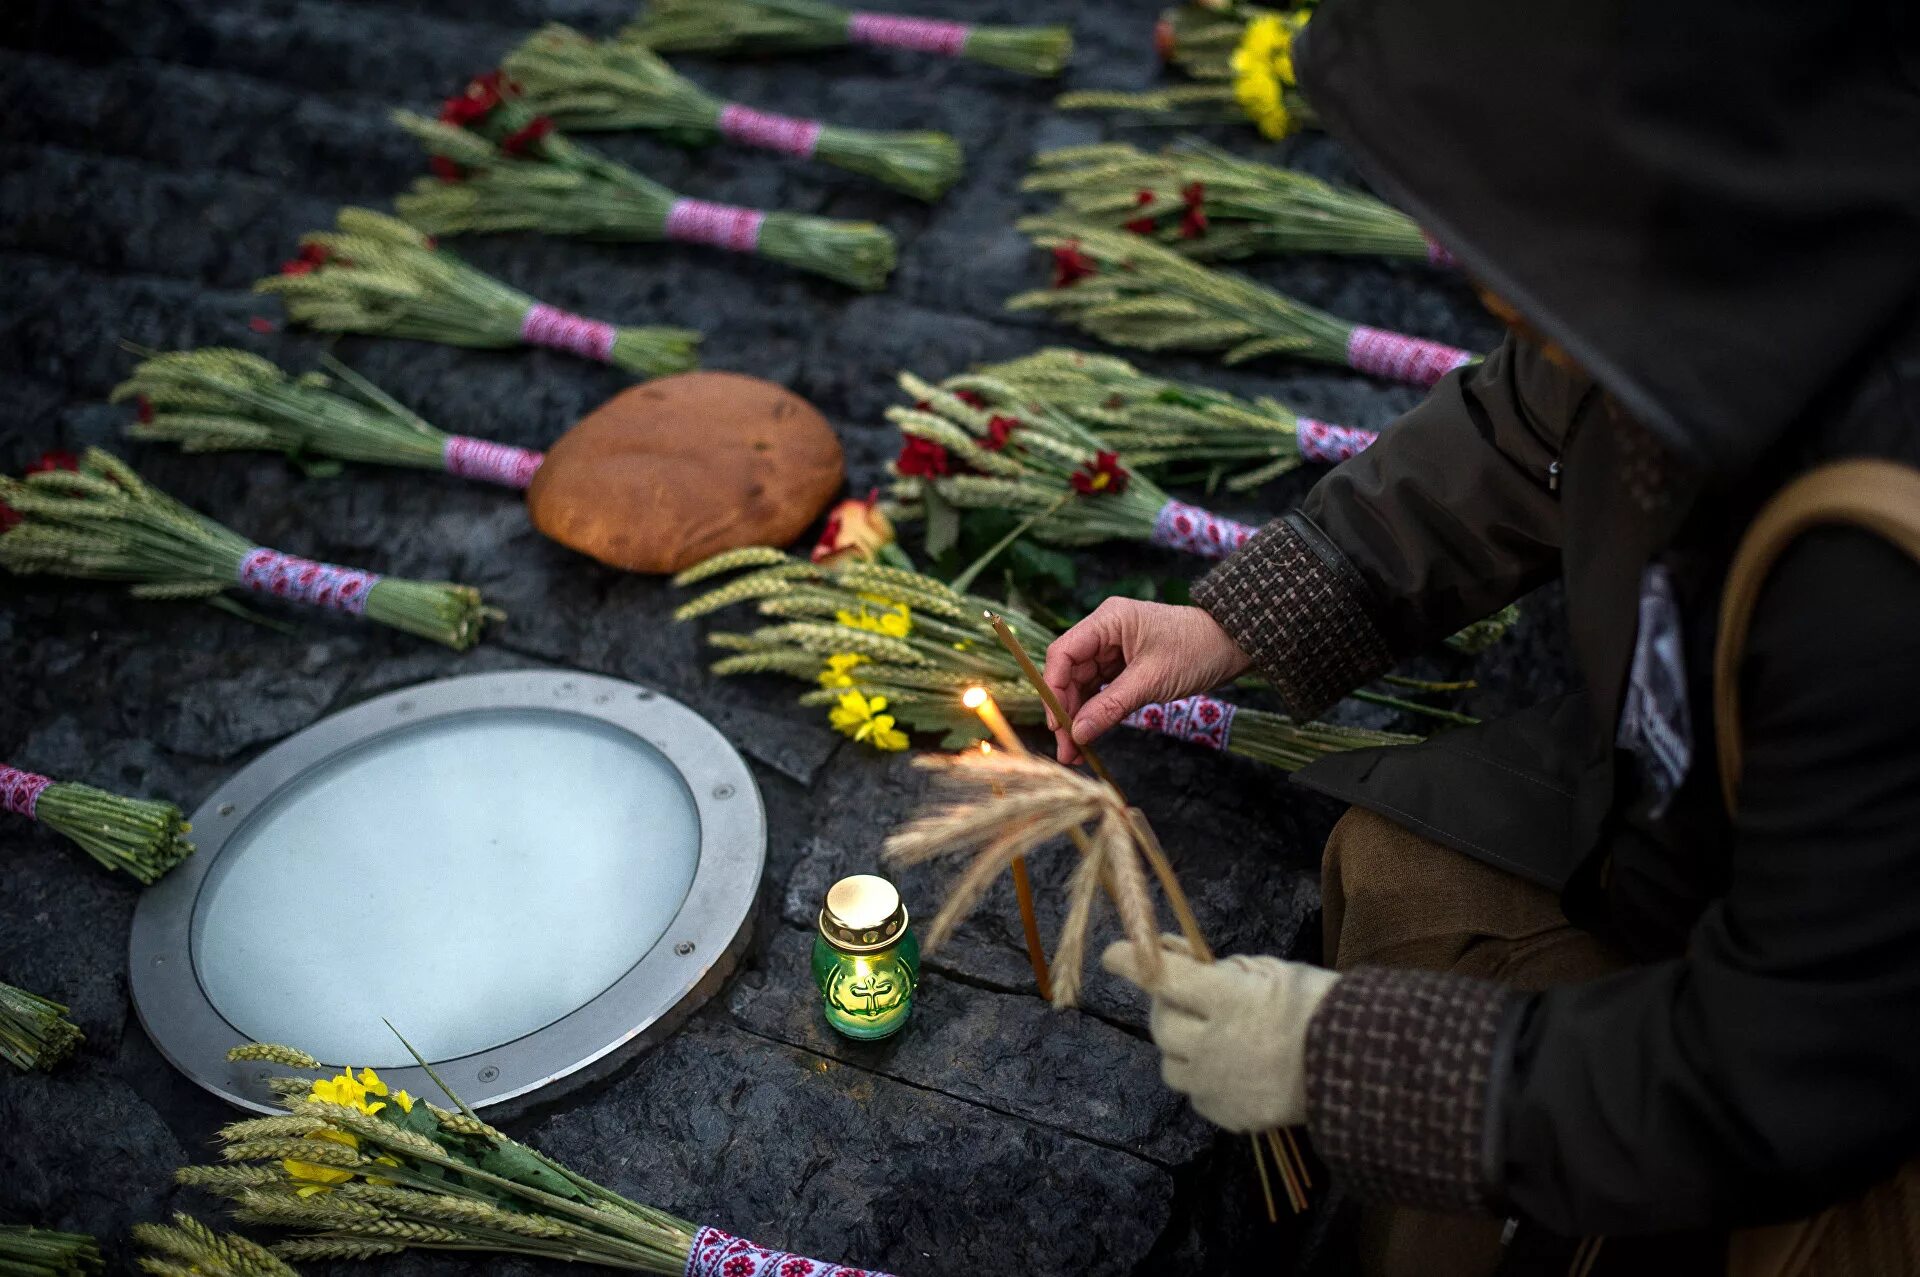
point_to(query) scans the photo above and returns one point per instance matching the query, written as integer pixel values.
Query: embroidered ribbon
(1200, 719)
(1437, 252)
(923, 35)
(304, 581)
(495, 462)
(719, 1254)
(560, 330)
(1324, 441)
(20, 791)
(783, 133)
(1399, 357)
(1180, 526)
(722, 225)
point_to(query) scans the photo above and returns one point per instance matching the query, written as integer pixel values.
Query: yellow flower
(860, 717)
(1263, 71)
(895, 622)
(345, 1090)
(350, 1092)
(320, 1179)
(835, 675)
(404, 1100)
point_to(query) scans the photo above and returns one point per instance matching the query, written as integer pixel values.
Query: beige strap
(1881, 497)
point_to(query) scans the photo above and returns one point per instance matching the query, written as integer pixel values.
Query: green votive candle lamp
(865, 959)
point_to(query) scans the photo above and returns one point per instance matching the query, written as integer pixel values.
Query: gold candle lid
(863, 913)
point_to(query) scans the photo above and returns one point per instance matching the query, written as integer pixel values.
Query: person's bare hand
(1140, 653)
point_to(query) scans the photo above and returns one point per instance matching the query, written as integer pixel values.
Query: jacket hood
(1714, 207)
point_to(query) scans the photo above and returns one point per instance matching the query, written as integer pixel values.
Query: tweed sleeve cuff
(1399, 1065)
(1293, 603)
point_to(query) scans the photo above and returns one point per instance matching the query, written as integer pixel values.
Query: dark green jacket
(1742, 271)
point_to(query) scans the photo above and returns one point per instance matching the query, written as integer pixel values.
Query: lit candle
(980, 702)
(866, 960)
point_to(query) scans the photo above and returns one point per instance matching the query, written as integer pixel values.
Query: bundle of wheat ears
(991, 809)
(587, 85)
(355, 1169)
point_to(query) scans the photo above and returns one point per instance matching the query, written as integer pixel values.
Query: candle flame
(974, 697)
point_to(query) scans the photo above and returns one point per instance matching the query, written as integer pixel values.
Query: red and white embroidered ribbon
(304, 581)
(722, 225)
(923, 35)
(557, 329)
(20, 791)
(1437, 252)
(1200, 719)
(1399, 357)
(720, 1254)
(500, 463)
(786, 134)
(1324, 441)
(1180, 526)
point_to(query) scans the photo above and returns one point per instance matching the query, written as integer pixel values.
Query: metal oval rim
(645, 1004)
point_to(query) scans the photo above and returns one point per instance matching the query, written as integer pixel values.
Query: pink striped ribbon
(923, 35)
(1180, 526)
(1200, 719)
(783, 133)
(1399, 357)
(722, 225)
(721, 1254)
(20, 791)
(286, 576)
(500, 463)
(1437, 252)
(1324, 441)
(562, 330)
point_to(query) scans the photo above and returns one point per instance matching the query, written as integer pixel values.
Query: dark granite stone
(797, 1150)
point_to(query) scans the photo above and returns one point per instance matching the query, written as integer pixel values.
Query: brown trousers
(1394, 898)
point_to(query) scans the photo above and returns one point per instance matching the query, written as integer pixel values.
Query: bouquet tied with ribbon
(1132, 291)
(886, 646)
(794, 26)
(375, 274)
(218, 400)
(134, 835)
(1209, 204)
(977, 442)
(1153, 421)
(584, 85)
(103, 522)
(354, 1169)
(499, 167)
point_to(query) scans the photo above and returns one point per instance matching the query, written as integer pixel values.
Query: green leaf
(943, 524)
(1036, 565)
(511, 1161)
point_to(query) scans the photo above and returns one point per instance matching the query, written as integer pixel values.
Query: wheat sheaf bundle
(997, 807)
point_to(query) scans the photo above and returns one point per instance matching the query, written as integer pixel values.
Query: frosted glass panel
(471, 879)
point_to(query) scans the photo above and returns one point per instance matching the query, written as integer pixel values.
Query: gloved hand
(1232, 1034)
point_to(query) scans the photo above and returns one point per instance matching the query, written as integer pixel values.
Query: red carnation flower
(145, 408)
(971, 398)
(315, 253)
(520, 139)
(1194, 224)
(10, 518)
(1164, 41)
(54, 459)
(1103, 476)
(999, 431)
(446, 170)
(923, 458)
(1070, 265)
(298, 266)
(261, 324)
(1142, 225)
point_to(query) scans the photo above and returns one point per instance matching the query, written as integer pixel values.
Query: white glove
(1232, 1034)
